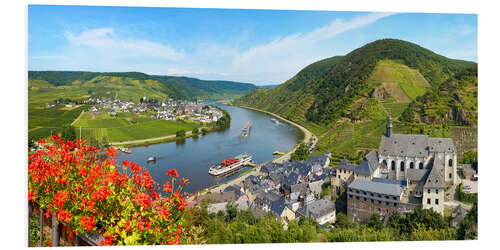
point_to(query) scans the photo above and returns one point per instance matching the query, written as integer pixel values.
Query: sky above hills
(255, 46)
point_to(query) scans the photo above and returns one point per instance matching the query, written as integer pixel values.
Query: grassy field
(403, 83)
(128, 126)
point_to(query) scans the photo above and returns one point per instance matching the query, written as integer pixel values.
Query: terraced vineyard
(42, 121)
(465, 139)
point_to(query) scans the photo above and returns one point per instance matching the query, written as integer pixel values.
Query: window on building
(357, 197)
(395, 198)
(384, 163)
(364, 199)
(393, 165)
(395, 204)
(364, 192)
(387, 197)
(450, 163)
(350, 196)
(450, 175)
(411, 165)
(437, 191)
(429, 201)
(402, 167)
(357, 191)
(387, 203)
(429, 191)
(379, 202)
(437, 201)
(421, 165)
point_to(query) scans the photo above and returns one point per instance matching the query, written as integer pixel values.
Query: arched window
(384, 163)
(411, 165)
(421, 165)
(393, 165)
(450, 163)
(402, 168)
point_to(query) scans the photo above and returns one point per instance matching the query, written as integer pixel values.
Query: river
(193, 156)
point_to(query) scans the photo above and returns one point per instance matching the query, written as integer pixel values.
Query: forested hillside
(345, 100)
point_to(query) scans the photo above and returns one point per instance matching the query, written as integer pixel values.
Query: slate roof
(268, 197)
(292, 179)
(376, 187)
(236, 189)
(387, 181)
(436, 176)
(315, 187)
(277, 207)
(367, 166)
(404, 145)
(441, 145)
(317, 208)
(415, 174)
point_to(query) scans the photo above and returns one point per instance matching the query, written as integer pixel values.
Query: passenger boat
(230, 164)
(246, 129)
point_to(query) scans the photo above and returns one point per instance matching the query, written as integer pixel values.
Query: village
(168, 109)
(407, 172)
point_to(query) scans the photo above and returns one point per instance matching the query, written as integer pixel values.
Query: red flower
(60, 198)
(142, 199)
(31, 196)
(64, 215)
(41, 141)
(167, 187)
(172, 172)
(125, 163)
(87, 222)
(55, 138)
(111, 152)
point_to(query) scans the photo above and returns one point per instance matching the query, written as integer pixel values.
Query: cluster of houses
(408, 171)
(288, 190)
(164, 110)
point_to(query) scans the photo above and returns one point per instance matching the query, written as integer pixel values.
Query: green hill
(43, 86)
(345, 100)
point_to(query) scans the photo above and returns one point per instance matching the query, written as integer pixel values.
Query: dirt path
(78, 118)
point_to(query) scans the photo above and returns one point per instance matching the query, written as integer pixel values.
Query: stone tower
(389, 126)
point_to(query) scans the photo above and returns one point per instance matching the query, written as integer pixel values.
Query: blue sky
(256, 46)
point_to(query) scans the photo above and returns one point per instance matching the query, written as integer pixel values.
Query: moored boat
(230, 164)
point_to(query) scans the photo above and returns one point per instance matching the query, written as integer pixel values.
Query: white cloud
(104, 41)
(289, 53)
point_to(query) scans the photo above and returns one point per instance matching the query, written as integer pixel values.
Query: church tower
(389, 126)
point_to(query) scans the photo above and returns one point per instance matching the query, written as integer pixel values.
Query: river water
(192, 157)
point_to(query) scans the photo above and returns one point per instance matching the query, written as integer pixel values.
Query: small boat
(275, 121)
(152, 158)
(278, 153)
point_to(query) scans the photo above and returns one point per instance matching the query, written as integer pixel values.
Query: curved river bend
(193, 156)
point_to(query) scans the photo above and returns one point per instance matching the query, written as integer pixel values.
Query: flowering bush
(92, 196)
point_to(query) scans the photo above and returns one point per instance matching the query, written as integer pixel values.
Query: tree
(468, 227)
(195, 131)
(180, 133)
(375, 221)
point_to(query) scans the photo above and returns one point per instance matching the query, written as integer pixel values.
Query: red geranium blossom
(172, 172)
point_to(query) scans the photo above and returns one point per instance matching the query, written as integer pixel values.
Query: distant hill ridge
(132, 85)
